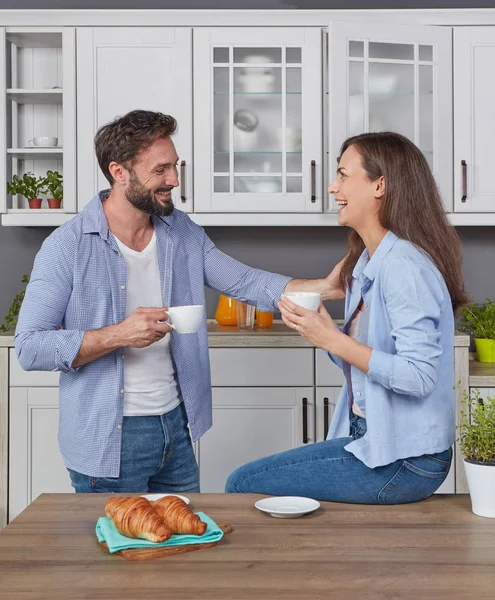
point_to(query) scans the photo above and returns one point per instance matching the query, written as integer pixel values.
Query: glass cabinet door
(260, 149)
(396, 78)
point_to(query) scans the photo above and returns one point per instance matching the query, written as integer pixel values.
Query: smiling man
(130, 387)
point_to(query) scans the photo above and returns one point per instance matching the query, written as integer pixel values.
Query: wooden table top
(432, 549)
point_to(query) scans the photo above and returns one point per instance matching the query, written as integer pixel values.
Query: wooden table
(433, 549)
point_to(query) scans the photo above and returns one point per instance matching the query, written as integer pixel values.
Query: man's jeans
(325, 471)
(157, 456)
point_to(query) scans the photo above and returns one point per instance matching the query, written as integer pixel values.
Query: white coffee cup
(185, 319)
(309, 300)
(44, 140)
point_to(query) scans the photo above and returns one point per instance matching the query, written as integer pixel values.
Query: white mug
(44, 140)
(185, 319)
(309, 300)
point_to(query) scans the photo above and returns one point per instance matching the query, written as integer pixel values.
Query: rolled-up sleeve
(40, 343)
(240, 281)
(414, 296)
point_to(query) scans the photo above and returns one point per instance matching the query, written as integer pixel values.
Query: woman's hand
(316, 327)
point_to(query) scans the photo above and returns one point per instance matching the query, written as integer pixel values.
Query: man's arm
(140, 329)
(329, 287)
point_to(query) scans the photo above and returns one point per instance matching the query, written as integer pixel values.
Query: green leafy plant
(477, 428)
(479, 320)
(11, 318)
(53, 183)
(29, 186)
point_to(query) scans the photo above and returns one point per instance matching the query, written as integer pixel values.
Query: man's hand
(143, 327)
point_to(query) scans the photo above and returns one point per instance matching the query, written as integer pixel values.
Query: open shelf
(26, 96)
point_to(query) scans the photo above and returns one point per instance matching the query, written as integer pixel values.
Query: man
(95, 309)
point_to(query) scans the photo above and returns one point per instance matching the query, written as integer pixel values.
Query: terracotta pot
(34, 202)
(54, 202)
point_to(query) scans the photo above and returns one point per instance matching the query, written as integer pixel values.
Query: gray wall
(293, 251)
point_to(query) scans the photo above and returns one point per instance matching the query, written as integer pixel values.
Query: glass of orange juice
(264, 318)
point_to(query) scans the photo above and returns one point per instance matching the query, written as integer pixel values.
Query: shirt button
(122, 357)
(122, 287)
(119, 426)
(122, 391)
(358, 393)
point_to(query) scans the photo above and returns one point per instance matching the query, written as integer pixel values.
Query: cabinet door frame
(326, 400)
(441, 39)
(23, 400)
(466, 41)
(310, 39)
(89, 39)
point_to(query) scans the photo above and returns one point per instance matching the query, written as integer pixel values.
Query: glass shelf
(258, 93)
(36, 153)
(278, 153)
(27, 96)
(384, 94)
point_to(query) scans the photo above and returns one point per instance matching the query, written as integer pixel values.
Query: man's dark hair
(125, 137)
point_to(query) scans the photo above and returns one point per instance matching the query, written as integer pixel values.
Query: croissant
(134, 517)
(176, 514)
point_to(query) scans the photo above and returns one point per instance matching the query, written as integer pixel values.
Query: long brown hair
(411, 207)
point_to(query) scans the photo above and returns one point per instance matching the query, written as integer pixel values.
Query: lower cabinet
(249, 423)
(35, 463)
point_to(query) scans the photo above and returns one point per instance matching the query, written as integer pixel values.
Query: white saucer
(287, 507)
(153, 497)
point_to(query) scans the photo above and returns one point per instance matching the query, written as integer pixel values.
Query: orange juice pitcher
(226, 311)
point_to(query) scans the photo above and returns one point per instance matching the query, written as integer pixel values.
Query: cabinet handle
(313, 181)
(464, 180)
(325, 418)
(305, 420)
(183, 181)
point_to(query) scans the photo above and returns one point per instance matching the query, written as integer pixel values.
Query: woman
(393, 428)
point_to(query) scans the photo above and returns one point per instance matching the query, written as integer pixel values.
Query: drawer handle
(183, 181)
(325, 418)
(464, 180)
(313, 181)
(305, 420)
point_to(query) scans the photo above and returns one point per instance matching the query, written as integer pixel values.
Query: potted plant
(477, 442)
(29, 186)
(53, 183)
(11, 318)
(479, 320)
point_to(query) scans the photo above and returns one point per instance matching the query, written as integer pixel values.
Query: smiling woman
(392, 431)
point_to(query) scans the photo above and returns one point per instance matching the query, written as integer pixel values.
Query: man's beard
(142, 198)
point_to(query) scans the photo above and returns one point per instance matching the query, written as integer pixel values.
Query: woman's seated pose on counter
(390, 439)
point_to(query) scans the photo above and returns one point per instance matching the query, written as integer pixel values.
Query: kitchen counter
(432, 549)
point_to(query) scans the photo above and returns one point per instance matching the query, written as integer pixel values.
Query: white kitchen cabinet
(258, 120)
(120, 69)
(474, 119)
(37, 101)
(326, 400)
(250, 423)
(389, 77)
(35, 463)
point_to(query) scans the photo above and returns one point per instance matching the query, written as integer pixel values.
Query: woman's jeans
(157, 456)
(325, 471)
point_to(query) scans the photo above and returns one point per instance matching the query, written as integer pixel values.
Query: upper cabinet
(258, 120)
(120, 69)
(37, 106)
(474, 119)
(392, 78)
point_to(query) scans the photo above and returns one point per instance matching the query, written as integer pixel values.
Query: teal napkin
(107, 532)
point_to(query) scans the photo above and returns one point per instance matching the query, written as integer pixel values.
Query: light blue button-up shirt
(78, 283)
(408, 394)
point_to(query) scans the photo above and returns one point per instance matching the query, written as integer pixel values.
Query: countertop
(432, 549)
(278, 336)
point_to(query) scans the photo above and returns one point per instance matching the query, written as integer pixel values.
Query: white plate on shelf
(153, 497)
(287, 507)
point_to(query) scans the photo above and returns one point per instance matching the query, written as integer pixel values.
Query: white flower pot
(481, 483)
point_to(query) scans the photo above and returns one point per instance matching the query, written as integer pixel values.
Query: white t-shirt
(150, 386)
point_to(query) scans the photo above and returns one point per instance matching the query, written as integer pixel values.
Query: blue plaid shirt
(408, 395)
(78, 283)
